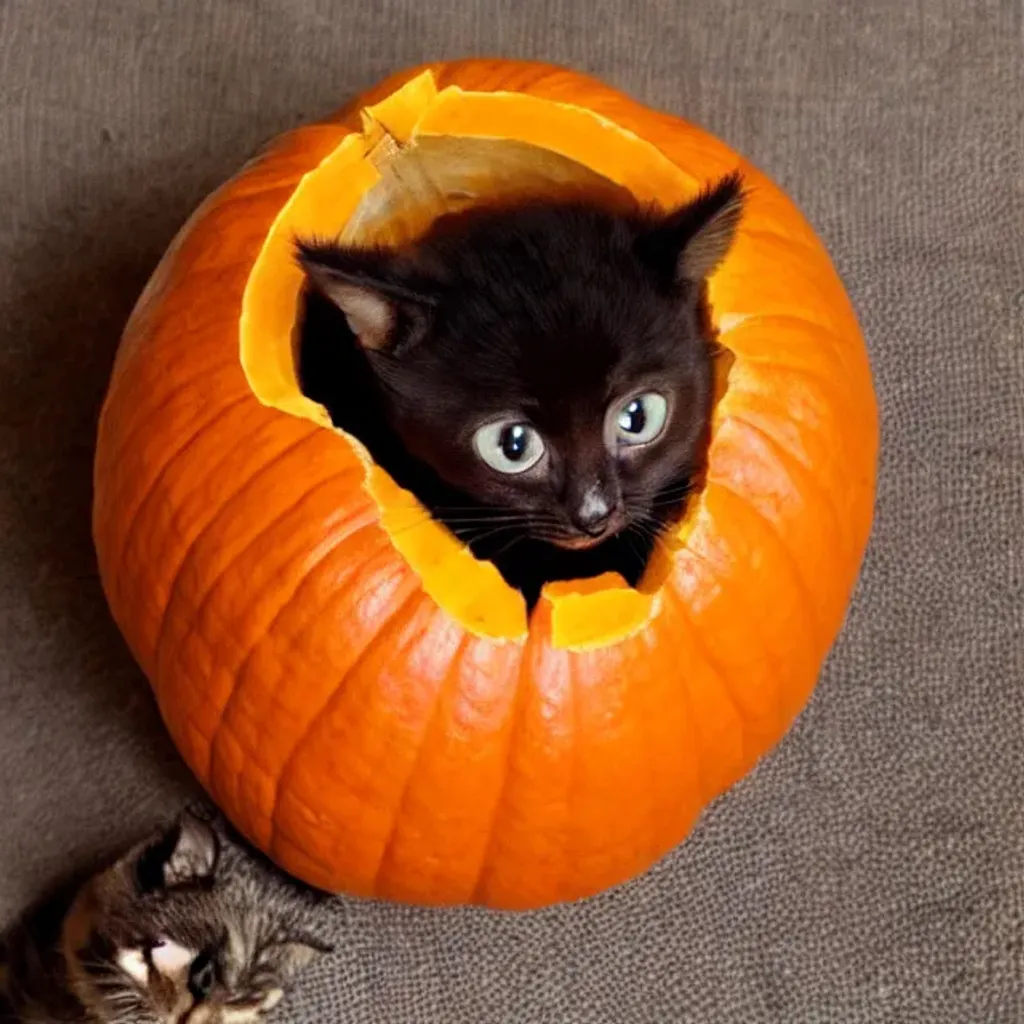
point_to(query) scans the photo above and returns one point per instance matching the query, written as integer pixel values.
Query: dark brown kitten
(184, 927)
(539, 376)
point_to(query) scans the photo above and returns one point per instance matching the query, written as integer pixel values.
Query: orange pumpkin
(366, 701)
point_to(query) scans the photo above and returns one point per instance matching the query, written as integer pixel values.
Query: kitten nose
(593, 513)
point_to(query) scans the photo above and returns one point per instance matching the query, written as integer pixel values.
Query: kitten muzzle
(595, 519)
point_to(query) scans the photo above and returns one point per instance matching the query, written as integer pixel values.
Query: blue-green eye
(641, 419)
(508, 446)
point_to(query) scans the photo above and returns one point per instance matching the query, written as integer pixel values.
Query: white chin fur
(133, 963)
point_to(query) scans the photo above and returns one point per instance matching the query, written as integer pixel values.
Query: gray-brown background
(872, 869)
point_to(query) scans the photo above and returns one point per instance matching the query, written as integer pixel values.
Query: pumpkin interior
(475, 143)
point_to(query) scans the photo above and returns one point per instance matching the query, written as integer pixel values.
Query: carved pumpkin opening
(423, 153)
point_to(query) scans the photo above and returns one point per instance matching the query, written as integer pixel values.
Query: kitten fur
(552, 314)
(188, 926)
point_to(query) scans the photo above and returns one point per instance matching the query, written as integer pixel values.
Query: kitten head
(172, 933)
(552, 360)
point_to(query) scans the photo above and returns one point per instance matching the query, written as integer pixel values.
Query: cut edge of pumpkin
(583, 614)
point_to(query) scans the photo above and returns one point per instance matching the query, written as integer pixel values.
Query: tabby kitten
(539, 375)
(184, 927)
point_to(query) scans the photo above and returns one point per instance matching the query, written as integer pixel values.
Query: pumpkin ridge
(273, 524)
(768, 649)
(176, 327)
(717, 671)
(570, 843)
(766, 641)
(218, 785)
(197, 541)
(364, 782)
(703, 788)
(269, 432)
(380, 554)
(802, 470)
(402, 611)
(417, 760)
(168, 460)
(377, 554)
(824, 325)
(517, 711)
(779, 369)
(153, 487)
(797, 573)
(181, 390)
(243, 664)
(653, 818)
(673, 609)
(839, 344)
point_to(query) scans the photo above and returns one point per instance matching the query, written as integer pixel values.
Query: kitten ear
(383, 311)
(187, 852)
(290, 956)
(370, 315)
(194, 853)
(694, 239)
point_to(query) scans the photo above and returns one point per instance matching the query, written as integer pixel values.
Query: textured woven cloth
(872, 868)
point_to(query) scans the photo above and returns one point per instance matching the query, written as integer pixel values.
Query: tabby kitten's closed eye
(540, 376)
(178, 930)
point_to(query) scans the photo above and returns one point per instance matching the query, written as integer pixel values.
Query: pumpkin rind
(364, 737)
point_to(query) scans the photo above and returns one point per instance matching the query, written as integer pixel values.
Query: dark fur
(553, 311)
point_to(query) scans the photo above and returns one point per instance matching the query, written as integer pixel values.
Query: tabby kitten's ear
(689, 243)
(186, 853)
(385, 305)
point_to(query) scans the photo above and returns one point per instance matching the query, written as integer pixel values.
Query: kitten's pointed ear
(194, 854)
(370, 315)
(187, 852)
(383, 312)
(694, 239)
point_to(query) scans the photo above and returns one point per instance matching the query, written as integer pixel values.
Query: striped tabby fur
(186, 928)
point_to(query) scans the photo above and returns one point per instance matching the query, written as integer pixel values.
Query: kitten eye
(509, 447)
(641, 419)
